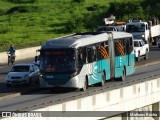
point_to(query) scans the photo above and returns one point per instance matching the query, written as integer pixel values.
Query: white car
(23, 74)
(158, 43)
(141, 49)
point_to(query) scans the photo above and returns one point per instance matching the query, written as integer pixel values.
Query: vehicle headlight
(8, 77)
(40, 75)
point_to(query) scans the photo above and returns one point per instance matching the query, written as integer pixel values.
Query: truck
(141, 49)
(150, 30)
(110, 21)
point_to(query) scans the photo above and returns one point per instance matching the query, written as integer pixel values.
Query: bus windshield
(58, 60)
(135, 28)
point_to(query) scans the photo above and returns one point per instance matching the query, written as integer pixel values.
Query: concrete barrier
(108, 103)
(20, 54)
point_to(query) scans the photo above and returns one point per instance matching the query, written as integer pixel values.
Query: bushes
(126, 10)
(26, 21)
(22, 9)
(84, 22)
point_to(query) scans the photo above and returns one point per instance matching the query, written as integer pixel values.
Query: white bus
(84, 59)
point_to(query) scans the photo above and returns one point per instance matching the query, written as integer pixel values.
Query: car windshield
(136, 44)
(20, 69)
(135, 28)
(62, 60)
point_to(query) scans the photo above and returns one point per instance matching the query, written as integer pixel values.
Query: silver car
(23, 74)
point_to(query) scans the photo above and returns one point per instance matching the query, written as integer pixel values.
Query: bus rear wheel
(103, 80)
(122, 78)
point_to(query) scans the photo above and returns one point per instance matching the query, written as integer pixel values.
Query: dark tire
(103, 80)
(138, 58)
(54, 90)
(85, 86)
(37, 82)
(146, 55)
(30, 81)
(122, 78)
(8, 85)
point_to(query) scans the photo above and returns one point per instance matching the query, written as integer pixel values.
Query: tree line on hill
(144, 9)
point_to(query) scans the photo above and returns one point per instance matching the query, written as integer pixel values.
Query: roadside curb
(147, 64)
(4, 96)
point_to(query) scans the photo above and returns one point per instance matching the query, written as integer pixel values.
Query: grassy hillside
(30, 22)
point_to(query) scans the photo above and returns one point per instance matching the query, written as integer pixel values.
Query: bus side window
(127, 45)
(94, 54)
(89, 54)
(123, 42)
(117, 53)
(80, 57)
(106, 47)
(84, 55)
(99, 55)
(131, 45)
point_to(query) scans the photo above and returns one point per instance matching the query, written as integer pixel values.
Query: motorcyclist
(11, 53)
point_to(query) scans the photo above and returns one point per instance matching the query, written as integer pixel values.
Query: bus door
(98, 67)
(128, 59)
(90, 64)
(119, 53)
(111, 54)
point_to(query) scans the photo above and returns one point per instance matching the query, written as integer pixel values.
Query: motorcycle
(11, 59)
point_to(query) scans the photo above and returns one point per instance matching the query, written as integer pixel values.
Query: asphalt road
(40, 98)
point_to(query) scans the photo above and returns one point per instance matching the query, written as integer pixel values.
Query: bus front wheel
(85, 86)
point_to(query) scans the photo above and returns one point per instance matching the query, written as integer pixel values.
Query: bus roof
(82, 39)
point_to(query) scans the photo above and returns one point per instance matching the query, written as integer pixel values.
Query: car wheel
(138, 58)
(37, 81)
(8, 85)
(146, 55)
(30, 81)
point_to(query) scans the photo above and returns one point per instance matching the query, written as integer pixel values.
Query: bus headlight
(40, 75)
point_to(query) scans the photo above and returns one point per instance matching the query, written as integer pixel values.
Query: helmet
(11, 46)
